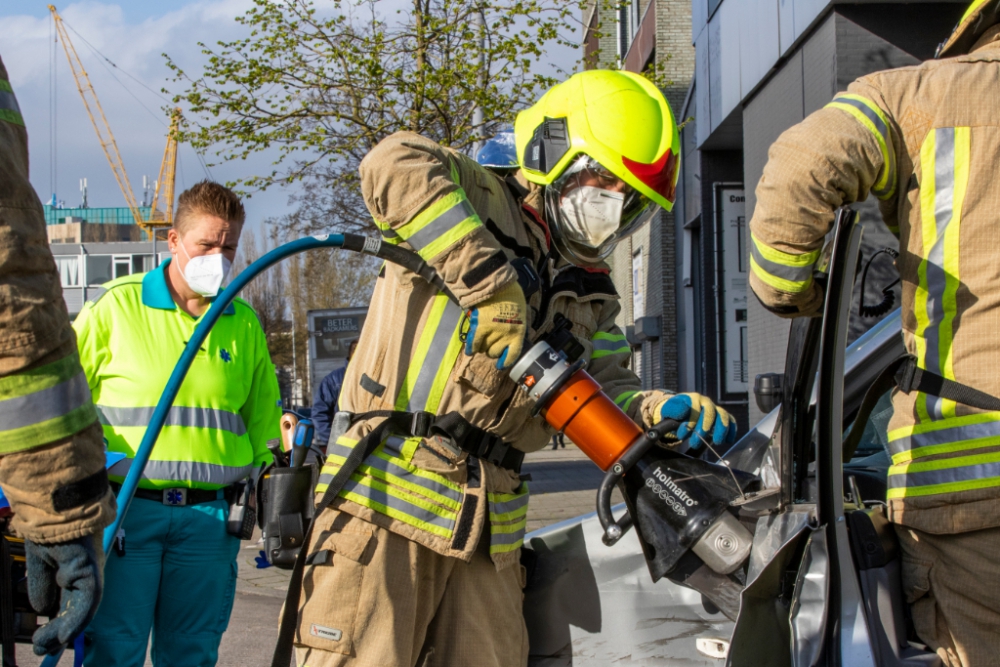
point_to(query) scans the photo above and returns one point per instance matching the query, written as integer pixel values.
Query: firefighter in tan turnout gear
(925, 140)
(51, 449)
(417, 561)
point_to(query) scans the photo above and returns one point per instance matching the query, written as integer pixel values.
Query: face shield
(590, 210)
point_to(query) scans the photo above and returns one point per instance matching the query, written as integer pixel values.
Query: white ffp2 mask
(205, 274)
(591, 215)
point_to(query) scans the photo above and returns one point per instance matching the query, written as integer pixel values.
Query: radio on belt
(677, 503)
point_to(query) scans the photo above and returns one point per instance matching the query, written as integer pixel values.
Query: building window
(70, 274)
(122, 266)
(98, 269)
(628, 25)
(142, 263)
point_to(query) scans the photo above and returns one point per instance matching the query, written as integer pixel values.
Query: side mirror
(767, 391)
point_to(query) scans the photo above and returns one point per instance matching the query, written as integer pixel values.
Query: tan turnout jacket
(51, 449)
(468, 223)
(925, 140)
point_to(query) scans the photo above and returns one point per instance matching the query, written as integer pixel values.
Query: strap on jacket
(911, 378)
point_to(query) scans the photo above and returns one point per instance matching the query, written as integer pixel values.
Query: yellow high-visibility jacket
(131, 336)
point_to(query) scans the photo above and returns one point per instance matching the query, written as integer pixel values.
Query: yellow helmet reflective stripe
(618, 118)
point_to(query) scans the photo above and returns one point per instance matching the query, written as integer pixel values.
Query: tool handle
(301, 442)
(614, 529)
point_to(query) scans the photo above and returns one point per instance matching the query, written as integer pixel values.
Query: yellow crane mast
(110, 146)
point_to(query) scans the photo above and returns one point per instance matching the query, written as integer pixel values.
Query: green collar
(156, 294)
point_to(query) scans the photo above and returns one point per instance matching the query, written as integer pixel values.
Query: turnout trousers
(952, 586)
(176, 579)
(373, 598)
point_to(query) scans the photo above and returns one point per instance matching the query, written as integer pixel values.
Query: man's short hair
(208, 198)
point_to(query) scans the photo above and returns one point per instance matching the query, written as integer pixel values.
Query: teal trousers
(177, 580)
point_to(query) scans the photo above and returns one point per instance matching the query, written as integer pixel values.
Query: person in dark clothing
(325, 404)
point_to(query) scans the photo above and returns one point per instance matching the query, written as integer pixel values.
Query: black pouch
(242, 510)
(285, 497)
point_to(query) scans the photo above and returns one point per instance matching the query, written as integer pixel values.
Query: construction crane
(110, 146)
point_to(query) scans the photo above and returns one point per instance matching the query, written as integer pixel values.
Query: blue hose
(184, 364)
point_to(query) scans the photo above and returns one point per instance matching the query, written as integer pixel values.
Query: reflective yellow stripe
(963, 473)
(431, 364)
(945, 436)
(875, 121)
(944, 165)
(607, 344)
(508, 519)
(389, 235)
(44, 404)
(443, 223)
(10, 111)
(404, 462)
(625, 399)
(781, 270)
(334, 463)
(976, 4)
(397, 504)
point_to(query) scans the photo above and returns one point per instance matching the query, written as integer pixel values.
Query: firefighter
(52, 463)
(924, 140)
(417, 561)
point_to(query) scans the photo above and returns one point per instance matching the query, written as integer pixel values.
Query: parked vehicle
(821, 585)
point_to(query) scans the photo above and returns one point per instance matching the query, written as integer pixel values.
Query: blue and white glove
(700, 418)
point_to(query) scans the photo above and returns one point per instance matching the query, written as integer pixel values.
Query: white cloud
(135, 47)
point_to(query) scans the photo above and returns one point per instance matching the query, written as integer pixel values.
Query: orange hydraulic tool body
(678, 503)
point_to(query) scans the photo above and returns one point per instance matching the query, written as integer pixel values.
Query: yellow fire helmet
(978, 18)
(600, 125)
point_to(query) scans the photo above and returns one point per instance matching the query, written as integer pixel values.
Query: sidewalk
(563, 485)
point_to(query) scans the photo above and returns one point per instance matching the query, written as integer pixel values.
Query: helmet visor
(589, 239)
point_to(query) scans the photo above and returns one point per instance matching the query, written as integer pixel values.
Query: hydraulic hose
(354, 242)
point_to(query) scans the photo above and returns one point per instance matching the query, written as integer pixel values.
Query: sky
(133, 35)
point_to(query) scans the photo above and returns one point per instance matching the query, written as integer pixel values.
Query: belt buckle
(175, 497)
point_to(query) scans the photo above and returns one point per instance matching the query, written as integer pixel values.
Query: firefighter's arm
(414, 191)
(834, 157)
(609, 357)
(262, 411)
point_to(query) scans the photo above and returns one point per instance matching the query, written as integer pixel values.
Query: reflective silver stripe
(509, 506)
(9, 101)
(391, 468)
(184, 471)
(946, 436)
(794, 273)
(440, 225)
(45, 404)
(945, 476)
(177, 416)
(610, 345)
(398, 504)
(944, 193)
(883, 130)
(445, 331)
(506, 538)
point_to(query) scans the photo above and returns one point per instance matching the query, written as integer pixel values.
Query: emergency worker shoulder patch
(333, 634)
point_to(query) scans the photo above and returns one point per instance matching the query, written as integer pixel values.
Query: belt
(471, 439)
(178, 496)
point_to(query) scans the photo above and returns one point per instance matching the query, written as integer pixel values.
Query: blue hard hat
(500, 152)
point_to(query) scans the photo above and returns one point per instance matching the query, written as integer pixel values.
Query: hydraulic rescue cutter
(677, 503)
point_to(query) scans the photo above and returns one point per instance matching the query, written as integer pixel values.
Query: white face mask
(591, 215)
(205, 274)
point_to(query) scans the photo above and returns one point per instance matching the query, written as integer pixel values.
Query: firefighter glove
(497, 326)
(701, 420)
(64, 583)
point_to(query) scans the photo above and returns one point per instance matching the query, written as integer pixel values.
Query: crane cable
(107, 61)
